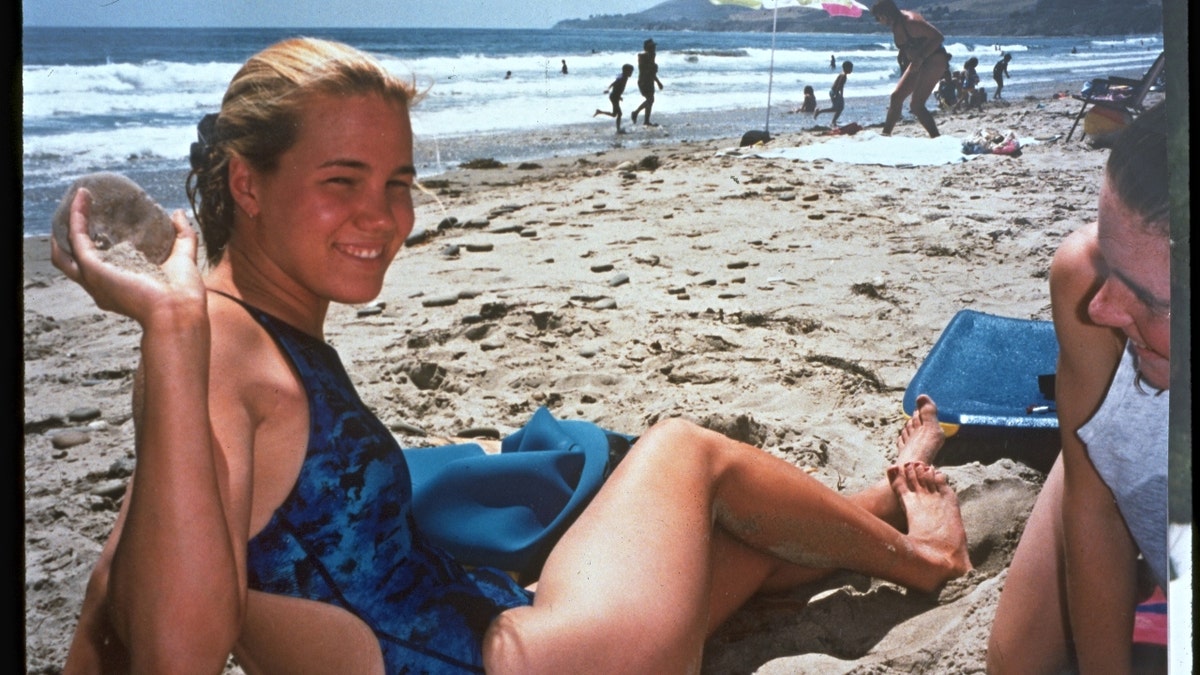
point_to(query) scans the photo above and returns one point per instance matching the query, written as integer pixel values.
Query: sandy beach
(786, 303)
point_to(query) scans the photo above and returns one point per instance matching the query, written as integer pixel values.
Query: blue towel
(507, 510)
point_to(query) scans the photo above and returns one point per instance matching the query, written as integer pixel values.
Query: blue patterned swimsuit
(346, 536)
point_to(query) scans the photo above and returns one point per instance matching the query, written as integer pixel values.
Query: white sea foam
(139, 114)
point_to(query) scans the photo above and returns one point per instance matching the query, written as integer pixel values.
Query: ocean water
(128, 100)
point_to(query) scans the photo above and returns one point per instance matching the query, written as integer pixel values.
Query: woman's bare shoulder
(246, 361)
(1077, 259)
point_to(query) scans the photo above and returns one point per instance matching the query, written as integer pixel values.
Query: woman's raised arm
(174, 586)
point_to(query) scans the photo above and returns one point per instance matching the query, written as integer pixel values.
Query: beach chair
(1120, 94)
(989, 374)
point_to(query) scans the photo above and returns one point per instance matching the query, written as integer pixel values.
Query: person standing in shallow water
(564, 66)
(647, 79)
(999, 73)
(921, 48)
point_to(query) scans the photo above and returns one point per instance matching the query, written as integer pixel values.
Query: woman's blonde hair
(260, 116)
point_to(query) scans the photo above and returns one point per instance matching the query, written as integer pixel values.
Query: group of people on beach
(240, 531)
(924, 63)
(960, 90)
(647, 80)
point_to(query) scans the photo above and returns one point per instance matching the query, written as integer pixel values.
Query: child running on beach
(614, 91)
(836, 99)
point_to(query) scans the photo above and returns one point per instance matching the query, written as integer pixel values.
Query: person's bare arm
(173, 588)
(1100, 553)
(95, 648)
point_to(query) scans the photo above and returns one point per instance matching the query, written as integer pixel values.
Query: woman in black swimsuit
(920, 45)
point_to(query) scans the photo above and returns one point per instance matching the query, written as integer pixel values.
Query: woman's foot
(922, 436)
(935, 528)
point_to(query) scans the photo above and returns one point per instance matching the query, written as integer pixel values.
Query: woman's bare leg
(741, 571)
(904, 88)
(928, 78)
(1031, 629)
(645, 559)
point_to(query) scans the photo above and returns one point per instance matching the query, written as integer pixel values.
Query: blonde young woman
(270, 513)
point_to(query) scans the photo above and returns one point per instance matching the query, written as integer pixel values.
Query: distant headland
(962, 17)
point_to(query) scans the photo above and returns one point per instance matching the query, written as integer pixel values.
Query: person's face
(883, 19)
(1136, 294)
(338, 207)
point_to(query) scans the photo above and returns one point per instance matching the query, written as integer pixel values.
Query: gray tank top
(1127, 442)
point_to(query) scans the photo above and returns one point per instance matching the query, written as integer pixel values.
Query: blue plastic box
(984, 372)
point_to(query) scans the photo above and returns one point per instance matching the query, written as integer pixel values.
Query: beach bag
(754, 137)
(507, 510)
(1103, 120)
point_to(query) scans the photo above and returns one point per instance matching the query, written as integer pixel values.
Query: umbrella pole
(771, 69)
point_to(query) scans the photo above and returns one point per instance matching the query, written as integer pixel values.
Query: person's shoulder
(1075, 266)
(242, 350)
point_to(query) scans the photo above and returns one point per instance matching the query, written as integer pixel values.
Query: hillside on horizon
(964, 17)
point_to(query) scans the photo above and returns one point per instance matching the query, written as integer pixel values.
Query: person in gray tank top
(1095, 543)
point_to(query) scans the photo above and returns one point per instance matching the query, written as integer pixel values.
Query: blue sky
(327, 13)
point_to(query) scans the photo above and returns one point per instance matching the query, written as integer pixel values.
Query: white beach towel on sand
(868, 147)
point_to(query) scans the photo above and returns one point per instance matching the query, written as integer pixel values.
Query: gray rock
(619, 280)
(440, 301)
(417, 236)
(480, 432)
(69, 439)
(109, 488)
(406, 429)
(83, 414)
(121, 468)
(478, 332)
(426, 376)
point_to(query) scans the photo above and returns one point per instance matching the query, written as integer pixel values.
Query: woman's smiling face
(338, 207)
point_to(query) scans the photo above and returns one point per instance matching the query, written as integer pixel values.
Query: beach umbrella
(850, 8)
